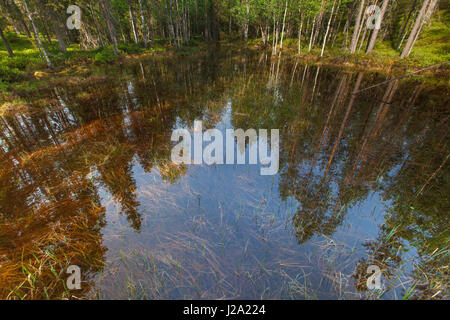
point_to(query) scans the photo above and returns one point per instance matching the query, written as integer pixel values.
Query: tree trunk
(319, 22)
(172, 27)
(273, 37)
(15, 12)
(425, 19)
(133, 24)
(335, 22)
(60, 37)
(405, 24)
(374, 36)
(355, 36)
(336, 29)
(111, 29)
(263, 35)
(36, 35)
(205, 12)
(247, 22)
(328, 29)
(57, 30)
(6, 43)
(284, 23)
(430, 10)
(415, 30)
(312, 33)
(97, 28)
(300, 36)
(144, 30)
(150, 25)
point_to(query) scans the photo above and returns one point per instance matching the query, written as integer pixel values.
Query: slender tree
(36, 34)
(57, 29)
(6, 43)
(328, 29)
(299, 45)
(355, 36)
(133, 24)
(111, 28)
(415, 30)
(284, 24)
(144, 30)
(375, 31)
(405, 24)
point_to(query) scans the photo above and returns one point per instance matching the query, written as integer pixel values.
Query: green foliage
(194, 42)
(158, 46)
(26, 55)
(10, 74)
(17, 41)
(105, 56)
(13, 69)
(433, 45)
(130, 48)
(19, 61)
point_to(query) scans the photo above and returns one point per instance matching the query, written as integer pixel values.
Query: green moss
(433, 45)
(9, 74)
(157, 47)
(131, 48)
(105, 56)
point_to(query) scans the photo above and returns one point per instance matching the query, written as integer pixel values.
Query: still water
(86, 179)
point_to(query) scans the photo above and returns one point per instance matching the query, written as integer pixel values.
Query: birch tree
(112, 31)
(355, 36)
(328, 29)
(375, 31)
(36, 34)
(424, 14)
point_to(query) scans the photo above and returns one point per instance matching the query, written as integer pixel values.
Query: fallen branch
(401, 77)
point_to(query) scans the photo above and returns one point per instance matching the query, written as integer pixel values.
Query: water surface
(87, 180)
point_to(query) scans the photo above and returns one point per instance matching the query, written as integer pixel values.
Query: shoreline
(40, 78)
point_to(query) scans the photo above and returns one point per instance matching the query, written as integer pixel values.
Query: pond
(87, 179)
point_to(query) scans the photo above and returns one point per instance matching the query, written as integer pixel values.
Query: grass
(434, 44)
(27, 71)
(37, 268)
(28, 58)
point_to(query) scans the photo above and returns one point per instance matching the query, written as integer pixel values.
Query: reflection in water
(363, 180)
